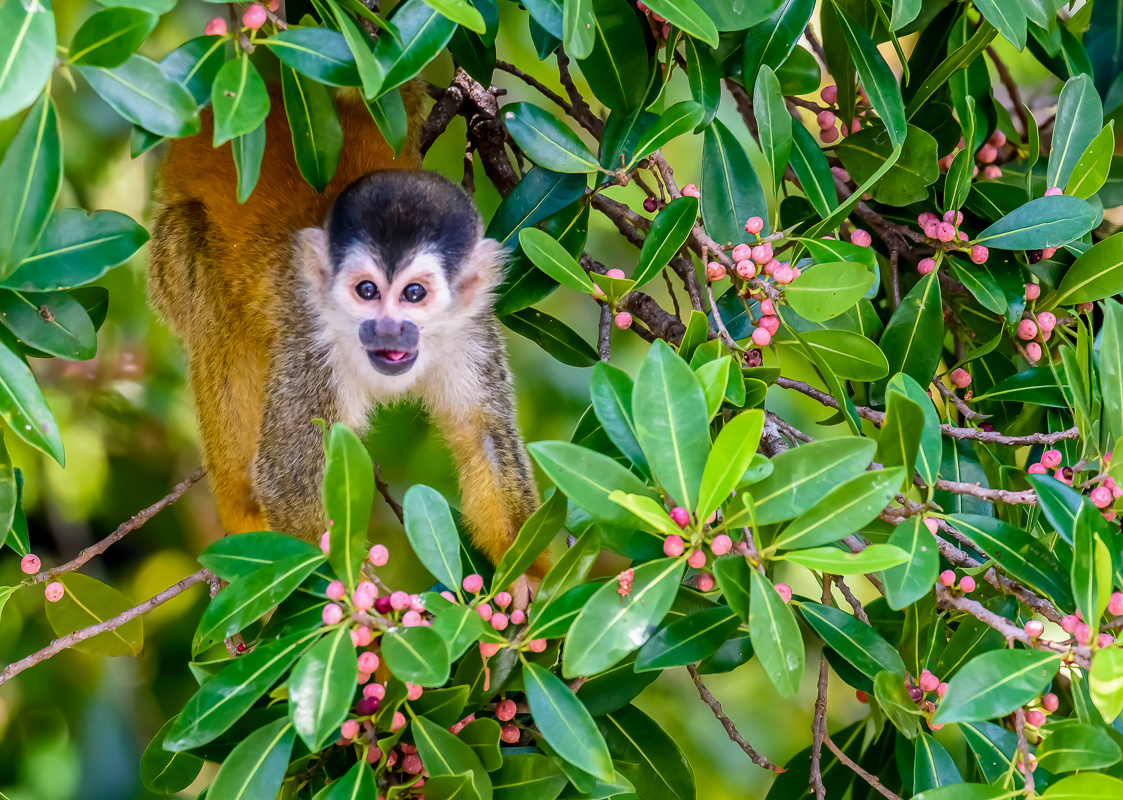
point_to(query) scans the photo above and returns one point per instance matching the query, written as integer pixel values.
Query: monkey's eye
(367, 290)
(414, 293)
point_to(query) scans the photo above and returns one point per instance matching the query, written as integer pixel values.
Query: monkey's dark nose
(388, 334)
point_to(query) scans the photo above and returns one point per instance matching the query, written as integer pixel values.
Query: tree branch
(730, 729)
(872, 780)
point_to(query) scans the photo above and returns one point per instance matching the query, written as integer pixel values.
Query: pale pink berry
(926, 265)
(715, 272)
(485, 611)
(673, 546)
(1033, 291)
(696, 559)
(680, 516)
(336, 590)
(1053, 191)
(761, 337)
(932, 525)
(1046, 320)
(754, 225)
(746, 270)
(362, 599)
(998, 138)
(54, 592)
(379, 555)
(953, 216)
(926, 217)
(615, 273)
(861, 238)
(362, 636)
(1035, 628)
(826, 119)
(1115, 604)
(536, 645)
(411, 619)
(770, 324)
(30, 564)
(771, 267)
(505, 710)
(509, 734)
(784, 275)
(413, 691)
(1104, 640)
(623, 320)
(766, 307)
(411, 765)
(503, 599)
(762, 254)
(855, 126)
(721, 545)
(374, 690)
(349, 729)
(960, 378)
(325, 542)
(784, 591)
(975, 171)
(1050, 702)
(1048, 253)
(690, 190)
(473, 583)
(518, 616)
(499, 621)
(945, 231)
(967, 584)
(1027, 329)
(1101, 497)
(1037, 469)
(400, 601)
(332, 614)
(842, 175)
(1051, 458)
(941, 690)
(1033, 350)
(930, 229)
(979, 254)
(991, 172)
(216, 26)
(796, 272)
(1032, 764)
(705, 582)
(928, 682)
(1069, 623)
(829, 94)
(945, 163)
(742, 252)
(962, 236)
(828, 135)
(987, 153)
(1110, 516)
(947, 578)
(447, 595)
(488, 649)
(391, 759)
(254, 17)
(1035, 719)
(398, 722)
(1082, 633)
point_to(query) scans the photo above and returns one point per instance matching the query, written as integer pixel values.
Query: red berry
(505, 710)
(509, 734)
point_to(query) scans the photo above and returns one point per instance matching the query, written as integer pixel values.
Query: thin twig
(819, 722)
(730, 729)
(1023, 748)
(855, 604)
(384, 490)
(957, 401)
(580, 110)
(872, 780)
(604, 333)
(530, 80)
(1011, 87)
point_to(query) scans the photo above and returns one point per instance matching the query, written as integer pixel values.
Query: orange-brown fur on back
(216, 265)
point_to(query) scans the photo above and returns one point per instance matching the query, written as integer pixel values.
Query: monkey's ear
(315, 258)
(480, 275)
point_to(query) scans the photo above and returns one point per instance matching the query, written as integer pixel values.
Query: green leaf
(877, 78)
(528, 776)
(571, 569)
(873, 558)
(1086, 786)
(348, 495)
(1023, 558)
(1105, 683)
(446, 755)
(610, 390)
(802, 475)
(89, 602)
(588, 478)
(892, 695)
(1072, 745)
(610, 625)
(994, 684)
(1037, 384)
(704, 77)
(546, 141)
(318, 53)
(422, 35)
(980, 283)
(240, 100)
(140, 92)
(956, 61)
(775, 636)
(317, 135)
(565, 723)
(1079, 119)
(247, 599)
(22, 406)
(908, 179)
(537, 196)
(842, 511)
(553, 259)
(735, 582)
(552, 335)
(1111, 368)
(732, 453)
(774, 123)
(52, 322)
(255, 768)
(32, 172)
(854, 640)
(389, 113)
(1090, 172)
(616, 68)
(813, 171)
(461, 12)
(912, 580)
(1093, 276)
(850, 355)
(234, 557)
(577, 28)
(731, 191)
(1091, 565)
(966, 791)
(533, 538)
(899, 441)
(248, 150)
(222, 700)
(933, 766)
(686, 14)
(357, 783)
(1044, 222)
(688, 640)
(110, 36)
(651, 512)
(913, 337)
(372, 74)
(648, 756)
(669, 409)
(460, 627)
(27, 40)
(432, 534)
(675, 121)
(555, 619)
(418, 655)
(824, 291)
(195, 63)
(994, 749)
(164, 772)
(770, 42)
(321, 688)
(77, 248)
(1009, 18)
(10, 496)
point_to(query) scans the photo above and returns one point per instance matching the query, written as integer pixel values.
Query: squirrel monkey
(297, 305)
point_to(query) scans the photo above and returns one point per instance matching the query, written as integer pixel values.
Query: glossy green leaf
(318, 53)
(1022, 556)
(813, 171)
(317, 134)
(686, 14)
(876, 77)
(802, 475)
(1091, 566)
(1037, 384)
(348, 495)
(647, 755)
(1079, 119)
(771, 41)
(732, 453)
(22, 406)
(1085, 786)
(775, 636)
(553, 336)
(195, 63)
(533, 538)
(1090, 172)
(850, 355)
(52, 322)
(110, 36)
(824, 291)
(357, 783)
(577, 27)
(164, 772)
(27, 40)
(587, 478)
(1093, 276)
(960, 59)
(240, 100)
(565, 723)
(994, 748)
(1044, 222)
(610, 390)
(899, 441)
(422, 34)
(933, 765)
(994, 684)
(321, 688)
(528, 776)
(651, 512)
(912, 580)
(32, 172)
(140, 92)
(841, 511)
(616, 67)
(1073, 745)
(677, 120)
(704, 76)
(418, 655)
(774, 123)
(854, 640)
(873, 558)
(1105, 683)
(1111, 368)
(446, 755)
(966, 791)
(248, 150)
(460, 627)
(893, 697)
(553, 259)
(610, 625)
(461, 12)
(87, 602)
(540, 194)
(913, 336)
(432, 534)
(731, 191)
(688, 640)
(372, 73)
(909, 176)
(735, 582)
(1009, 18)
(546, 141)
(255, 768)
(234, 557)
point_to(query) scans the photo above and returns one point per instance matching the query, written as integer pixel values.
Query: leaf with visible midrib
(565, 723)
(854, 640)
(775, 636)
(255, 768)
(995, 683)
(533, 538)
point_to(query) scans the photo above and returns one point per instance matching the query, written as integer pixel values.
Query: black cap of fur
(397, 213)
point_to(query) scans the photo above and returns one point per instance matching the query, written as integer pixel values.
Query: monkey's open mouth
(392, 362)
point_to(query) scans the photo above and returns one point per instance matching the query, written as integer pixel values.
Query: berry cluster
(986, 156)
(827, 119)
(252, 19)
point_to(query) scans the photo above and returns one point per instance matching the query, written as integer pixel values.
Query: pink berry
(398, 722)
(216, 26)
(967, 584)
(325, 542)
(413, 691)
(485, 611)
(926, 217)
(783, 275)
(1046, 321)
(400, 601)
(332, 614)
(991, 172)
(754, 225)
(926, 265)
(941, 690)
(928, 682)
(368, 661)
(1053, 191)
(690, 190)
(673, 546)
(1048, 253)
(623, 320)
(499, 621)
(784, 591)
(828, 135)
(771, 267)
(855, 126)
(518, 616)
(696, 559)
(979, 254)
(1104, 640)
(705, 582)
(1101, 497)
(761, 337)
(411, 765)
(1110, 516)
(1027, 329)
(843, 176)
(746, 270)
(1082, 633)
(945, 231)
(960, 378)
(336, 590)
(861, 238)
(1037, 469)
(349, 729)
(953, 216)
(379, 555)
(1033, 291)
(1051, 458)
(30, 564)
(374, 690)
(975, 171)
(615, 273)
(721, 545)
(274, 5)
(536, 645)
(1033, 350)
(1050, 702)
(1034, 628)
(447, 595)
(987, 153)
(1035, 718)
(829, 94)
(54, 592)
(505, 710)
(998, 138)
(1115, 604)
(362, 636)
(254, 17)
(762, 254)
(932, 525)
(826, 119)
(503, 599)
(715, 272)
(947, 578)
(509, 734)
(680, 516)
(473, 583)
(766, 307)
(742, 252)
(1069, 623)
(770, 324)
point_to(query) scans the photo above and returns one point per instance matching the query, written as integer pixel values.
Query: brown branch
(604, 333)
(872, 780)
(1012, 88)
(957, 401)
(730, 729)
(384, 490)
(580, 110)
(855, 604)
(819, 722)
(71, 639)
(123, 529)
(1023, 749)
(530, 80)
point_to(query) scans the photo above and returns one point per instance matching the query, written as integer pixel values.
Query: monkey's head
(400, 268)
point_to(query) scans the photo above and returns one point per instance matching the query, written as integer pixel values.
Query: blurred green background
(75, 726)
